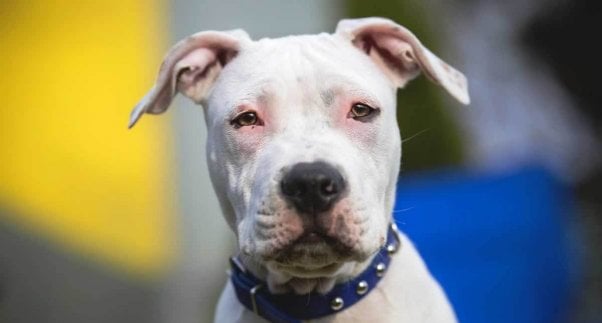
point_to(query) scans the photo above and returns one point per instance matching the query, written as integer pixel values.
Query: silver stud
(380, 269)
(337, 303)
(362, 288)
(391, 249)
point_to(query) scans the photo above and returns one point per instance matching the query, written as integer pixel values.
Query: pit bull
(304, 152)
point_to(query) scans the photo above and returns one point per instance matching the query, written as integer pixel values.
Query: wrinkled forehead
(295, 67)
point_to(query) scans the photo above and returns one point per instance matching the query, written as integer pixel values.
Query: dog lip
(311, 237)
(309, 271)
(308, 247)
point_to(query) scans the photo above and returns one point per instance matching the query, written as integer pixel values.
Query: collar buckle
(252, 293)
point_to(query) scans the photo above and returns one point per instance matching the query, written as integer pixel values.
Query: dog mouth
(313, 237)
(313, 250)
(317, 240)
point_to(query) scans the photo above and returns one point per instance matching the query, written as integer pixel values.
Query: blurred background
(102, 224)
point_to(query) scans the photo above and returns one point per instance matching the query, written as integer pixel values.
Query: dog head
(303, 145)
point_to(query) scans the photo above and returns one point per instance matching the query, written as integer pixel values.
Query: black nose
(312, 187)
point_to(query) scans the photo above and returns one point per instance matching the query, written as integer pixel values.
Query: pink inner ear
(394, 56)
(401, 53)
(190, 69)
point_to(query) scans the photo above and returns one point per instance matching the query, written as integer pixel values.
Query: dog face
(303, 146)
(316, 106)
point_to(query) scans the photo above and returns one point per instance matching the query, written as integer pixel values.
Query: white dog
(304, 151)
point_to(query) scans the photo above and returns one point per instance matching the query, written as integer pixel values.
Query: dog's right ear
(190, 67)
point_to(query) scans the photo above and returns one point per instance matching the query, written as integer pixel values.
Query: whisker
(403, 141)
(403, 210)
(399, 222)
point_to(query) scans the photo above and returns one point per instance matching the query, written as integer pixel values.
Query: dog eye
(360, 110)
(245, 119)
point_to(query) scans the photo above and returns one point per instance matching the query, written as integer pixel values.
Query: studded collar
(293, 308)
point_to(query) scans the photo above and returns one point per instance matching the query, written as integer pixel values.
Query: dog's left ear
(191, 67)
(400, 54)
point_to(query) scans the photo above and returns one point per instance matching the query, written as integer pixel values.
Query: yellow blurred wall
(70, 171)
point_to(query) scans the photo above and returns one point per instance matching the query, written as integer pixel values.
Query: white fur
(302, 88)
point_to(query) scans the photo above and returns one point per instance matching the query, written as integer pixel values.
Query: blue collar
(292, 308)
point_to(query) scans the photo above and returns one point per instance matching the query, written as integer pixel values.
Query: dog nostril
(328, 187)
(293, 188)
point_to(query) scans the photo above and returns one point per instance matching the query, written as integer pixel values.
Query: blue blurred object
(499, 244)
